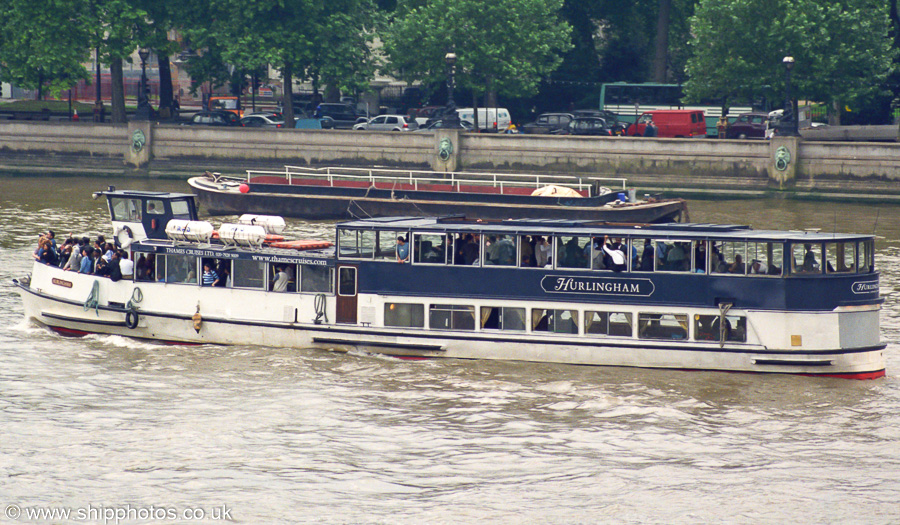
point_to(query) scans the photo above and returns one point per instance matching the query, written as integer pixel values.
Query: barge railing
(454, 179)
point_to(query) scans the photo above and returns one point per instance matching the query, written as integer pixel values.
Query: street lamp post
(789, 128)
(143, 108)
(451, 117)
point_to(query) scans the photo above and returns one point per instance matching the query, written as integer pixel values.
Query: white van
(489, 119)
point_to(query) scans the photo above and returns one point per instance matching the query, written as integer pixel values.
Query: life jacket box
(242, 234)
(272, 223)
(184, 230)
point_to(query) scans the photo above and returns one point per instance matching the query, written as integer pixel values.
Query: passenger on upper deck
(738, 265)
(126, 265)
(616, 257)
(759, 267)
(810, 265)
(542, 249)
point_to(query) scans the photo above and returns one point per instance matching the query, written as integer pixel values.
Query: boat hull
(318, 202)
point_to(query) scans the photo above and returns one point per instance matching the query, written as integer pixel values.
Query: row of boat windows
(650, 325)
(601, 253)
(236, 273)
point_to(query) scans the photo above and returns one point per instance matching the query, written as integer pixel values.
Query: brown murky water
(304, 436)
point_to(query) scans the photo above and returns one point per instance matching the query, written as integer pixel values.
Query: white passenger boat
(680, 296)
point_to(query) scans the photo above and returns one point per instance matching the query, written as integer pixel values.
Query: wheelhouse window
(316, 279)
(248, 274)
(181, 269)
(765, 258)
(729, 257)
(554, 321)
(125, 210)
(840, 257)
(431, 248)
(499, 249)
(157, 207)
(181, 209)
(805, 259)
(573, 252)
(867, 256)
(608, 323)
(662, 326)
(356, 244)
(407, 315)
(451, 317)
(502, 318)
(709, 328)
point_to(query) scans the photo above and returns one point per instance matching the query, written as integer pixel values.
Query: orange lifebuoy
(301, 245)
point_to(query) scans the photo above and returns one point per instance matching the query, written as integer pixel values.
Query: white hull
(234, 316)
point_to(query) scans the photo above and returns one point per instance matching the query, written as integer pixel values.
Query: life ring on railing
(124, 236)
(131, 319)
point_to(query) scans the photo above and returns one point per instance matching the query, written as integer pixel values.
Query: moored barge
(676, 296)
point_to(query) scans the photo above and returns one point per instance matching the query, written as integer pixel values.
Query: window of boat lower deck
(608, 323)
(502, 318)
(248, 274)
(707, 328)
(451, 317)
(316, 279)
(181, 269)
(662, 326)
(145, 269)
(554, 321)
(406, 315)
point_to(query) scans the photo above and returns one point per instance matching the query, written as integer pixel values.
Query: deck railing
(454, 179)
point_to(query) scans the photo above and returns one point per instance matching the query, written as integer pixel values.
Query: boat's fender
(131, 319)
(197, 319)
(124, 236)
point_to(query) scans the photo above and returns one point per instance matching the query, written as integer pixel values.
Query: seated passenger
(810, 265)
(758, 267)
(675, 258)
(738, 265)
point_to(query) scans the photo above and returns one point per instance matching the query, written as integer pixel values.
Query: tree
(503, 46)
(841, 50)
(41, 46)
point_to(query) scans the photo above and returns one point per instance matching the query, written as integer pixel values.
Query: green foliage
(841, 49)
(502, 45)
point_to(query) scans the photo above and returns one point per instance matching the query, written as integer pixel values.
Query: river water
(264, 435)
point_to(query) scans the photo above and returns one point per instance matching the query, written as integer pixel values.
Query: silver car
(389, 123)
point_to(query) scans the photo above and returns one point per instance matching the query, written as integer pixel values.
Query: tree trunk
(660, 59)
(166, 90)
(475, 111)
(118, 91)
(287, 103)
(834, 116)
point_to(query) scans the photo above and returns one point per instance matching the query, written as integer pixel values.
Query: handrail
(454, 179)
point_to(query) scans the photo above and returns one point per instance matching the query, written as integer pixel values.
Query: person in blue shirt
(209, 275)
(87, 262)
(402, 250)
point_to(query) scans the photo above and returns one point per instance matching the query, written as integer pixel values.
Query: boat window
(555, 321)
(451, 317)
(181, 269)
(613, 258)
(672, 256)
(357, 244)
(249, 274)
(573, 252)
(867, 256)
(526, 251)
(404, 314)
(347, 281)
(145, 267)
(499, 249)
(662, 326)
(543, 251)
(223, 272)
(316, 279)
(729, 257)
(181, 209)
(840, 257)
(466, 249)
(282, 277)
(707, 328)
(502, 318)
(805, 259)
(431, 248)
(765, 258)
(126, 210)
(156, 207)
(608, 323)
(386, 244)
(646, 255)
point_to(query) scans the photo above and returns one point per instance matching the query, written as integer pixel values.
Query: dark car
(548, 123)
(342, 116)
(588, 126)
(748, 126)
(442, 123)
(214, 118)
(612, 120)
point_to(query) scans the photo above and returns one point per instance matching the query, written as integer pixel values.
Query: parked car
(423, 115)
(612, 120)
(548, 123)
(389, 123)
(343, 116)
(587, 126)
(263, 120)
(214, 118)
(748, 126)
(672, 123)
(442, 123)
(489, 119)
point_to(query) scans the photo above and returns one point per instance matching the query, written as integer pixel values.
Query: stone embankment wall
(784, 166)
